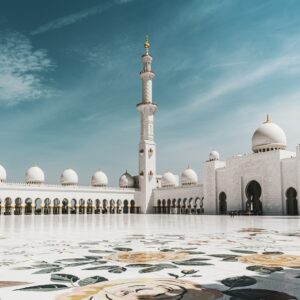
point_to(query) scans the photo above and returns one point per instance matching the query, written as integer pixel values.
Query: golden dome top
(147, 44)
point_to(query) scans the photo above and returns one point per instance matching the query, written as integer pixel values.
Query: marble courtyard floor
(149, 257)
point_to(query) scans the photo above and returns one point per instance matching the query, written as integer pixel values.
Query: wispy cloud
(75, 17)
(245, 80)
(21, 69)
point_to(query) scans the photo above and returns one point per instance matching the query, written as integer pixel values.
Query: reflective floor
(149, 257)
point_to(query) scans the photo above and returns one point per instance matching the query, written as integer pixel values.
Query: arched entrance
(184, 206)
(18, 206)
(159, 206)
(81, 206)
(164, 209)
(56, 206)
(253, 193)
(291, 202)
(125, 208)
(38, 206)
(73, 206)
(28, 206)
(65, 208)
(7, 208)
(169, 206)
(47, 206)
(104, 207)
(89, 209)
(97, 206)
(119, 206)
(132, 207)
(189, 208)
(198, 206)
(112, 206)
(178, 206)
(222, 204)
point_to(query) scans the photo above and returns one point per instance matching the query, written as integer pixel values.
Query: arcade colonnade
(184, 206)
(76, 201)
(184, 199)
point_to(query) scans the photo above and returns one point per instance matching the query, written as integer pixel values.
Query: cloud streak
(237, 83)
(75, 17)
(21, 69)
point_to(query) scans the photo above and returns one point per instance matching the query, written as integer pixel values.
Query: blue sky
(69, 81)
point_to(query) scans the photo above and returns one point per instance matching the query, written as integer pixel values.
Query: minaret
(147, 150)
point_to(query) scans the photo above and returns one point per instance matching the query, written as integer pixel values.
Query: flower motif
(146, 256)
(267, 260)
(143, 288)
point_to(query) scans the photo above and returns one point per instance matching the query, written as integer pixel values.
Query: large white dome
(69, 177)
(168, 180)
(35, 175)
(99, 179)
(189, 177)
(268, 137)
(2, 174)
(126, 181)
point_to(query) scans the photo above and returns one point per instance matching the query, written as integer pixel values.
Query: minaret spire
(147, 148)
(267, 119)
(147, 44)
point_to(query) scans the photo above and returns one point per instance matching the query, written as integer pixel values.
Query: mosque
(265, 182)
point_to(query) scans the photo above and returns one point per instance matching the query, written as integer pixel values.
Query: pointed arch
(38, 206)
(47, 204)
(97, 206)
(56, 206)
(291, 202)
(132, 206)
(89, 206)
(73, 209)
(18, 206)
(28, 206)
(65, 206)
(125, 208)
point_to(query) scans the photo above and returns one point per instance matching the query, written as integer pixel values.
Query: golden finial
(147, 44)
(267, 119)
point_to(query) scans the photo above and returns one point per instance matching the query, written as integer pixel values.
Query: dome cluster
(188, 177)
(268, 137)
(35, 175)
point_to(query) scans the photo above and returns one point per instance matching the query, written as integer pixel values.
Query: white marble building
(264, 182)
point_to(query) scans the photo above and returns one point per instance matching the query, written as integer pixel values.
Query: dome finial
(267, 119)
(147, 44)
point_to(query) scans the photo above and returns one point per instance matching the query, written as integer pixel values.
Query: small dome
(126, 181)
(99, 179)
(268, 137)
(168, 180)
(34, 175)
(189, 177)
(2, 174)
(214, 155)
(69, 177)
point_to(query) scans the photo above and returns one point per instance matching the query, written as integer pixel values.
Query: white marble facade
(266, 181)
